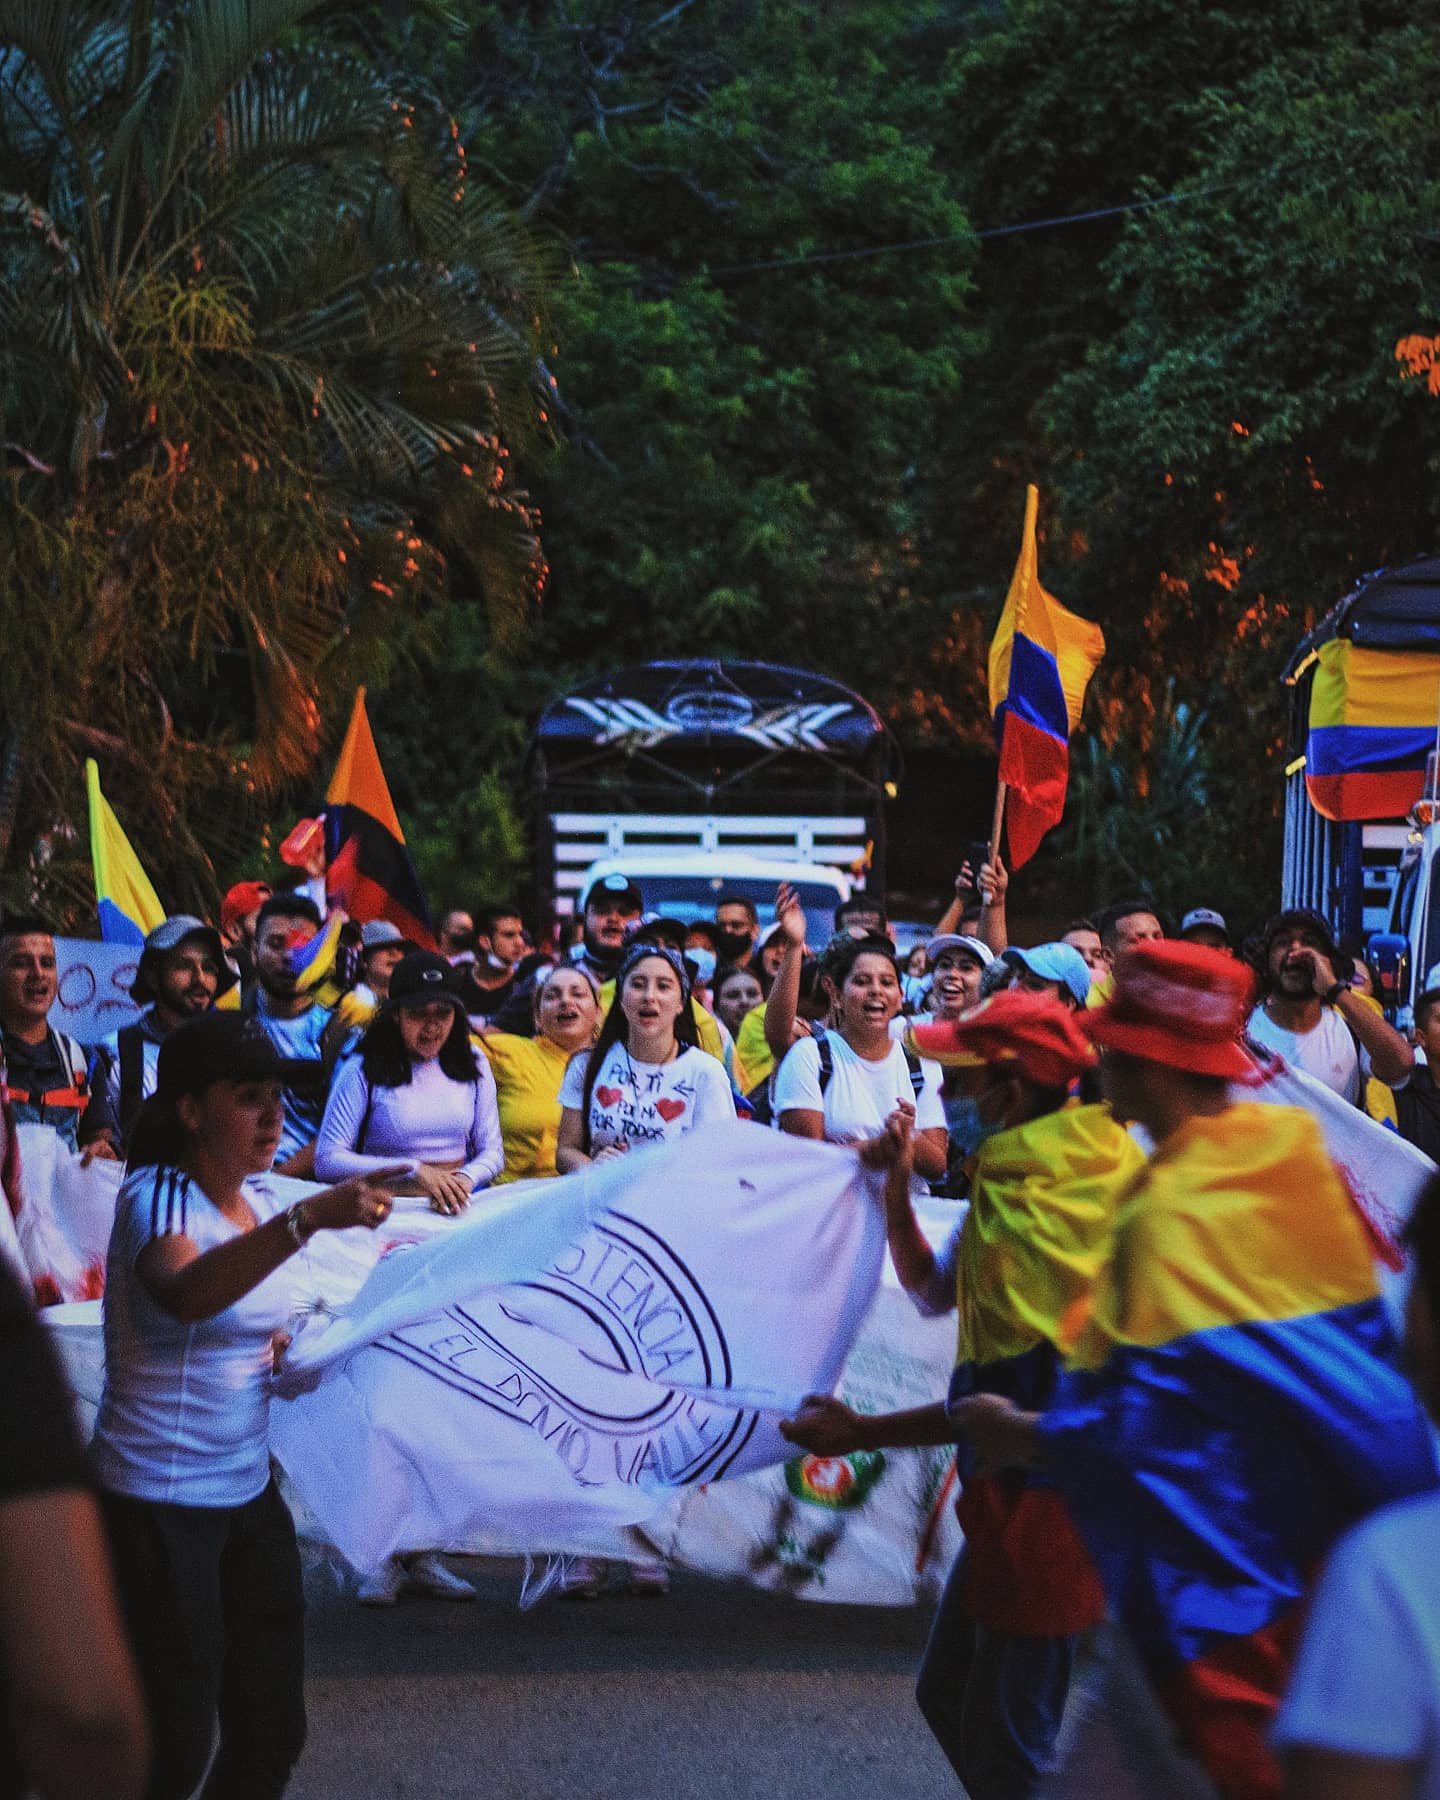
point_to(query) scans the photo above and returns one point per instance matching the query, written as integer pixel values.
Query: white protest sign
(94, 998)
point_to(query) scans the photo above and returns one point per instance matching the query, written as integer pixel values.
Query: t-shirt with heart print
(636, 1103)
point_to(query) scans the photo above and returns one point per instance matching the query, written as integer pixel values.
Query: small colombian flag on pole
(1041, 660)
(368, 869)
(128, 905)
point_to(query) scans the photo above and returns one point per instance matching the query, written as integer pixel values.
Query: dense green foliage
(805, 367)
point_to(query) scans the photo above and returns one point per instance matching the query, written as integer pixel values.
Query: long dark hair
(616, 1030)
(387, 1062)
(157, 1138)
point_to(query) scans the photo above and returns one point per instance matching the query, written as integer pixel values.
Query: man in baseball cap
(613, 907)
(182, 972)
(1235, 1326)
(1021, 1265)
(1203, 925)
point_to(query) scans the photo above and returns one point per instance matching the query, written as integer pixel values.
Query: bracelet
(1340, 987)
(298, 1225)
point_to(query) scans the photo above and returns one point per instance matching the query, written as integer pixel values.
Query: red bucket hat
(1029, 1029)
(1178, 1004)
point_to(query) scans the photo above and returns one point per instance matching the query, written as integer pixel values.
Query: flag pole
(997, 825)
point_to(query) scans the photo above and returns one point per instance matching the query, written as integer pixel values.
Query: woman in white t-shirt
(868, 1074)
(645, 1082)
(196, 1310)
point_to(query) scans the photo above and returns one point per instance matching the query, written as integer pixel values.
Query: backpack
(762, 1110)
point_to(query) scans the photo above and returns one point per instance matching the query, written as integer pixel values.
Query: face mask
(734, 945)
(704, 961)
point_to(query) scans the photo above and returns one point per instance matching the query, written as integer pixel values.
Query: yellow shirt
(528, 1072)
(751, 1049)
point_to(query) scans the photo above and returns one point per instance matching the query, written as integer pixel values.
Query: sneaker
(584, 1579)
(651, 1580)
(428, 1575)
(383, 1587)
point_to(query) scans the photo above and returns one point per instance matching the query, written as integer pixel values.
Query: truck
(700, 777)
(1373, 878)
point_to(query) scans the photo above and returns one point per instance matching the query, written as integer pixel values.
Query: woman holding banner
(646, 1081)
(196, 1311)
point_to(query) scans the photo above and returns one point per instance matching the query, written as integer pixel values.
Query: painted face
(28, 979)
(187, 979)
(870, 997)
(567, 1011)
(738, 995)
(272, 952)
(652, 997)
(245, 1116)
(424, 1028)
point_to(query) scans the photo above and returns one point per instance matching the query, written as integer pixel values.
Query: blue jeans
(993, 1699)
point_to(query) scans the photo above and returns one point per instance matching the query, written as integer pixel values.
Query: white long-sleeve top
(431, 1119)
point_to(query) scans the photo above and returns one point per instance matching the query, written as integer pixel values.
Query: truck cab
(702, 772)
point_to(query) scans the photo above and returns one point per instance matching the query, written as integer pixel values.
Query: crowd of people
(1131, 1234)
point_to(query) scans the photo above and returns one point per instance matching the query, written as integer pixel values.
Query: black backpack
(763, 1113)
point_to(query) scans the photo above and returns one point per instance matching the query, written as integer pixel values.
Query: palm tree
(266, 348)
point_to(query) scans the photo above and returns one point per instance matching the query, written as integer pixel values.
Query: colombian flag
(1232, 1404)
(1372, 724)
(1041, 659)
(368, 869)
(1042, 1214)
(126, 902)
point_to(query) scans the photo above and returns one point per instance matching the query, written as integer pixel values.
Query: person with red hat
(996, 1671)
(1232, 1400)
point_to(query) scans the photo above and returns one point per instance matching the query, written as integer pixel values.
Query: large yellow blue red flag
(1372, 725)
(1041, 660)
(1232, 1402)
(127, 904)
(368, 869)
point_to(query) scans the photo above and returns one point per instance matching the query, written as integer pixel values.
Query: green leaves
(265, 348)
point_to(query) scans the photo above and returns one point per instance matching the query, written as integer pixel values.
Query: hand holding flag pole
(1041, 660)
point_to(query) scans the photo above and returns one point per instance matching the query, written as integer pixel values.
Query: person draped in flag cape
(997, 1668)
(1233, 1401)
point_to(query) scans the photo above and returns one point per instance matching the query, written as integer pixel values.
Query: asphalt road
(717, 1690)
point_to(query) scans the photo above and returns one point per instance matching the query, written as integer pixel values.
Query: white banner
(66, 1211)
(564, 1362)
(95, 979)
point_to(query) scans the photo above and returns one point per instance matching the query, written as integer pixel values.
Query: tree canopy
(838, 279)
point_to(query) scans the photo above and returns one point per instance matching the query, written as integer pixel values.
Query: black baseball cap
(421, 977)
(222, 1046)
(619, 890)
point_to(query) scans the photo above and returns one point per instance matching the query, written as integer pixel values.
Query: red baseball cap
(1032, 1030)
(1178, 1004)
(243, 899)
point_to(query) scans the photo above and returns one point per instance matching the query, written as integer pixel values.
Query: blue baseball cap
(1056, 962)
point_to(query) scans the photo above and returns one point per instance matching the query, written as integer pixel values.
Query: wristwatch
(297, 1223)
(1340, 987)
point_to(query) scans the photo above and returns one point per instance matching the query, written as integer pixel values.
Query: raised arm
(784, 997)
